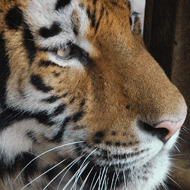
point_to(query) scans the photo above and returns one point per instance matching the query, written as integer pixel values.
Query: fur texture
(80, 97)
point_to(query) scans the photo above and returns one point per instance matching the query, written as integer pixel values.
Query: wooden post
(159, 30)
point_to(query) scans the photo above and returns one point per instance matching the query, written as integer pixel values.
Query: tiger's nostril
(163, 130)
(171, 126)
(161, 133)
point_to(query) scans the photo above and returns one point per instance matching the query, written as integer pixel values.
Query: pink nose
(172, 127)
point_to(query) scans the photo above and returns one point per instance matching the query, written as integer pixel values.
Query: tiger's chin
(116, 168)
(141, 173)
(148, 176)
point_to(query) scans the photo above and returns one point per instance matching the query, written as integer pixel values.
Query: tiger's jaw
(118, 168)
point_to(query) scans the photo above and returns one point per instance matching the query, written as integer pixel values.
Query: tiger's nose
(171, 126)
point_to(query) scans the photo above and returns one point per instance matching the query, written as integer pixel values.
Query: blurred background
(167, 38)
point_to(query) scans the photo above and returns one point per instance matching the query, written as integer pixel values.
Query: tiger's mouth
(101, 177)
(114, 159)
(101, 170)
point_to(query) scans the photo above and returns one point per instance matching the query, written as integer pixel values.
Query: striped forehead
(56, 22)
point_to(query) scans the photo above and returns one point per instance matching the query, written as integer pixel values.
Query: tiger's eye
(64, 53)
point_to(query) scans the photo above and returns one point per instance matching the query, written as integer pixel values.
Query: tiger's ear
(137, 19)
(138, 9)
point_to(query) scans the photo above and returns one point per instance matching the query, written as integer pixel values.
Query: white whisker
(106, 184)
(83, 164)
(174, 181)
(40, 158)
(93, 181)
(79, 170)
(86, 179)
(187, 130)
(164, 186)
(46, 171)
(124, 178)
(112, 181)
(179, 168)
(101, 180)
(96, 181)
(180, 138)
(43, 154)
(72, 163)
(43, 174)
(101, 177)
(116, 179)
(177, 148)
(104, 179)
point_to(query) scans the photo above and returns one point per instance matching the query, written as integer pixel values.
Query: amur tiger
(83, 105)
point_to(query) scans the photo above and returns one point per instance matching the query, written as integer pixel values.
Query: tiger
(83, 105)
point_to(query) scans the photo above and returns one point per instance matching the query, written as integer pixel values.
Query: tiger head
(82, 98)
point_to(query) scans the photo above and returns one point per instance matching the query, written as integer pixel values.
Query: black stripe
(82, 103)
(91, 16)
(75, 29)
(75, 23)
(94, 2)
(58, 137)
(37, 81)
(54, 30)
(60, 109)
(136, 19)
(130, 21)
(78, 116)
(64, 95)
(61, 4)
(4, 70)
(114, 3)
(43, 117)
(14, 18)
(32, 136)
(46, 63)
(72, 100)
(52, 99)
(121, 6)
(9, 116)
(20, 161)
(98, 23)
(29, 43)
(88, 12)
(129, 5)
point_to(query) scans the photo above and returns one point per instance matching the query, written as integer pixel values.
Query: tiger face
(83, 104)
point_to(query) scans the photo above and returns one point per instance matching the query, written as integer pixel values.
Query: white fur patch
(13, 140)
